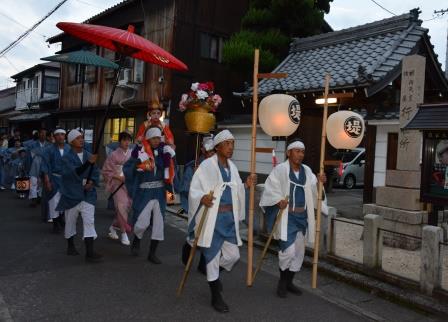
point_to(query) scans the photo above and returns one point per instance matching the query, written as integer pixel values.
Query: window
(74, 74)
(211, 46)
(51, 85)
(116, 125)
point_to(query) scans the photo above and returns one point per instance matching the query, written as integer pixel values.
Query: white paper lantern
(345, 129)
(279, 114)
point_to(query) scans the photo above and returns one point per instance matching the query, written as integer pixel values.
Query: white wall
(379, 177)
(241, 154)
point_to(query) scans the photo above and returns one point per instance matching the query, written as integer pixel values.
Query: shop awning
(26, 117)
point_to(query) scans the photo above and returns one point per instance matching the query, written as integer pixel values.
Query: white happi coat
(277, 187)
(208, 178)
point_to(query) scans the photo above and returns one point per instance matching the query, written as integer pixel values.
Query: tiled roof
(430, 117)
(355, 57)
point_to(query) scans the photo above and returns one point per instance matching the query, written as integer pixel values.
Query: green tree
(269, 25)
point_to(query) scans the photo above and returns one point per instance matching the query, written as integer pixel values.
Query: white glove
(168, 149)
(142, 156)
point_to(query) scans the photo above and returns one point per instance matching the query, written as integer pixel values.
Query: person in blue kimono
(292, 188)
(78, 194)
(21, 167)
(144, 179)
(217, 185)
(52, 173)
(207, 151)
(36, 148)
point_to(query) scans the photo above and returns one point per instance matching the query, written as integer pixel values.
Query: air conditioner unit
(125, 76)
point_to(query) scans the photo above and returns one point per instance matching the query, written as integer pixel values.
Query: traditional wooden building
(193, 31)
(364, 60)
(36, 96)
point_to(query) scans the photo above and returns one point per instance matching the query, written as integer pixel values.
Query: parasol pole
(96, 147)
(106, 113)
(320, 186)
(81, 105)
(250, 232)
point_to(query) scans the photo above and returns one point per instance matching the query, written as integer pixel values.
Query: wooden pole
(266, 246)
(250, 232)
(193, 250)
(320, 186)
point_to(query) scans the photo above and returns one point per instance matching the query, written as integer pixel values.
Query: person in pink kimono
(114, 178)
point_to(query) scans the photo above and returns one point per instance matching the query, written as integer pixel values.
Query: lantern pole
(250, 232)
(320, 186)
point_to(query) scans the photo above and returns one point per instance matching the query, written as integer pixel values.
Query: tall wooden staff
(250, 232)
(320, 187)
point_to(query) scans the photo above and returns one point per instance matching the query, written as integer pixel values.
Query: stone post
(373, 242)
(330, 233)
(431, 259)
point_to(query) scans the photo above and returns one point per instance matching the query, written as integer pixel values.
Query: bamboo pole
(320, 186)
(250, 232)
(193, 250)
(266, 246)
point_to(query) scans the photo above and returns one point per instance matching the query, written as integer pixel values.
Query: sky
(16, 16)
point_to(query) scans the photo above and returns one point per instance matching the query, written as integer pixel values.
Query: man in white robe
(220, 238)
(295, 180)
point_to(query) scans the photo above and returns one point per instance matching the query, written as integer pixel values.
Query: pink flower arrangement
(200, 93)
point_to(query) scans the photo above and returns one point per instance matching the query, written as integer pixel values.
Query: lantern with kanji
(345, 129)
(279, 115)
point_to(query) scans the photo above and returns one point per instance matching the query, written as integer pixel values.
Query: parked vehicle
(353, 164)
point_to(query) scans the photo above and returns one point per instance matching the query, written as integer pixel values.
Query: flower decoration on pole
(199, 104)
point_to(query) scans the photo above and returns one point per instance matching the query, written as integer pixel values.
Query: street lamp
(279, 115)
(330, 100)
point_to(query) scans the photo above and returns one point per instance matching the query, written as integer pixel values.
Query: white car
(353, 164)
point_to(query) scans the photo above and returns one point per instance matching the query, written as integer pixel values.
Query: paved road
(38, 282)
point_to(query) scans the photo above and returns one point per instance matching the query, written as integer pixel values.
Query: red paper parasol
(125, 42)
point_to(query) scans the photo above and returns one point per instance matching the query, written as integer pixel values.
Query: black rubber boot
(217, 301)
(202, 266)
(71, 249)
(135, 246)
(152, 252)
(186, 249)
(91, 255)
(290, 286)
(282, 284)
(56, 226)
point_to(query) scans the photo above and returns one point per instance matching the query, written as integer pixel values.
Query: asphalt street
(38, 282)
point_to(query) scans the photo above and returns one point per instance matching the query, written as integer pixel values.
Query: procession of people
(64, 176)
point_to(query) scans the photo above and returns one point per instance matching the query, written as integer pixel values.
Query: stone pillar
(329, 233)
(373, 242)
(412, 94)
(431, 259)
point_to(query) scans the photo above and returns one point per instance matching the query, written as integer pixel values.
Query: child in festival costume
(155, 110)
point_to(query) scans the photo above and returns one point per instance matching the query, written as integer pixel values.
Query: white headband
(59, 131)
(72, 135)
(296, 145)
(153, 133)
(222, 136)
(207, 143)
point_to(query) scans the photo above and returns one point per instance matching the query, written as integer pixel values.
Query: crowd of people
(63, 176)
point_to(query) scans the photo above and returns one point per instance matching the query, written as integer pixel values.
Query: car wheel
(349, 181)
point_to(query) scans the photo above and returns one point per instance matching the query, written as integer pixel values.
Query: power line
(17, 22)
(385, 9)
(27, 32)
(10, 63)
(438, 13)
(89, 4)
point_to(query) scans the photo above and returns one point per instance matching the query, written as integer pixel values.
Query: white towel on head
(59, 131)
(72, 135)
(207, 143)
(222, 136)
(296, 145)
(153, 132)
